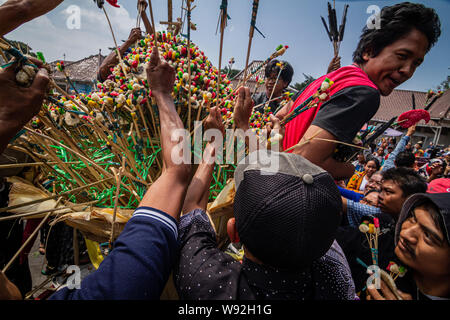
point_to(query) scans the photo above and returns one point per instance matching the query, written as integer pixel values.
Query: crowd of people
(300, 226)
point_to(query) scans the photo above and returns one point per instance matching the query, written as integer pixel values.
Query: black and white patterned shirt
(204, 272)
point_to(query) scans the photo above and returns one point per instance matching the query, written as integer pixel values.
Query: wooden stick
(78, 154)
(157, 131)
(118, 176)
(76, 248)
(340, 142)
(29, 294)
(250, 36)
(53, 155)
(33, 164)
(149, 137)
(155, 38)
(138, 18)
(304, 142)
(64, 93)
(28, 240)
(169, 16)
(222, 29)
(115, 43)
(3, 56)
(189, 63)
(268, 101)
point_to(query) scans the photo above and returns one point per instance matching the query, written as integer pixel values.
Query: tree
(22, 47)
(231, 73)
(304, 84)
(445, 85)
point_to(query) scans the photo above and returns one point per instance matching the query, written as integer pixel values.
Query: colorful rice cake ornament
(396, 270)
(122, 117)
(364, 228)
(321, 95)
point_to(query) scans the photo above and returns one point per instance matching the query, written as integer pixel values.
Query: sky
(295, 23)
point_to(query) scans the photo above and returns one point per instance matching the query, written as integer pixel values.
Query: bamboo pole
(33, 164)
(76, 248)
(149, 136)
(118, 176)
(64, 93)
(115, 43)
(155, 38)
(188, 3)
(223, 22)
(169, 16)
(250, 36)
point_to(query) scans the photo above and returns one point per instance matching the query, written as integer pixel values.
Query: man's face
(270, 85)
(397, 62)
(422, 246)
(391, 198)
(374, 182)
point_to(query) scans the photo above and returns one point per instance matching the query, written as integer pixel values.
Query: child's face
(422, 246)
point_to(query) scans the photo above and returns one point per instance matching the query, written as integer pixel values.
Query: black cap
(286, 214)
(442, 202)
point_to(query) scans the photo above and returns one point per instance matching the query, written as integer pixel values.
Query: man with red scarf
(384, 59)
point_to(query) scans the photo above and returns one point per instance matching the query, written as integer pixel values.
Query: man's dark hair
(407, 179)
(286, 74)
(434, 153)
(405, 159)
(396, 22)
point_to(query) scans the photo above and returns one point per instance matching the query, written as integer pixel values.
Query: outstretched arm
(198, 192)
(112, 59)
(390, 162)
(142, 5)
(14, 13)
(140, 264)
(168, 192)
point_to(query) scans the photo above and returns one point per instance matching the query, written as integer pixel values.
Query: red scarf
(343, 77)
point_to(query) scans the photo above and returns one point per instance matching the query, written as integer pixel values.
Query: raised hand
(243, 108)
(17, 103)
(214, 120)
(160, 75)
(135, 35)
